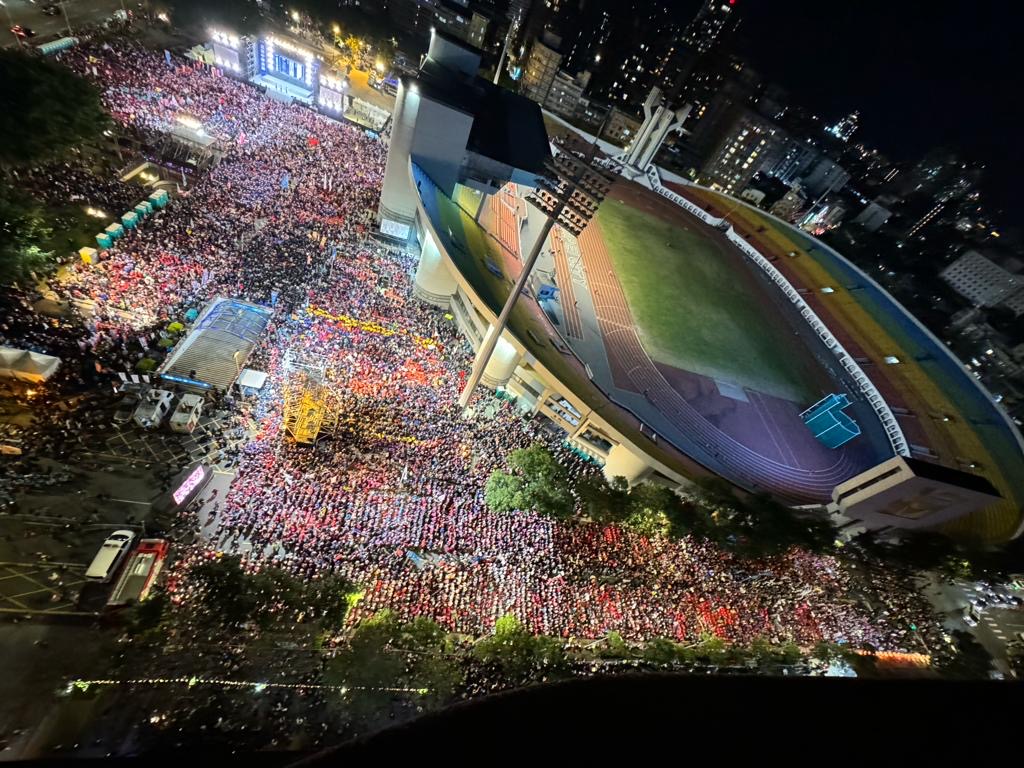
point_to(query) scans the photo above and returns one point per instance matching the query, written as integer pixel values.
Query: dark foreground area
(678, 717)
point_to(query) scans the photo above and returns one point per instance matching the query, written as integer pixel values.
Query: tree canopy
(519, 654)
(271, 598)
(385, 654)
(751, 526)
(48, 110)
(757, 525)
(22, 228)
(538, 482)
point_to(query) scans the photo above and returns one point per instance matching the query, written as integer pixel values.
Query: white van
(186, 415)
(107, 559)
(154, 408)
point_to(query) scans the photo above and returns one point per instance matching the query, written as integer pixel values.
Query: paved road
(996, 629)
(30, 15)
(38, 661)
(360, 89)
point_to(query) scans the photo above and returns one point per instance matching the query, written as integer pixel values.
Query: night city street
(383, 376)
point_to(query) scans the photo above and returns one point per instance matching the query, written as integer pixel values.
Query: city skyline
(920, 79)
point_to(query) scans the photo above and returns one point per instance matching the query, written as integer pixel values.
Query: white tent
(27, 366)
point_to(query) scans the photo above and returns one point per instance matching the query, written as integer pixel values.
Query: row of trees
(930, 551)
(386, 659)
(227, 602)
(513, 656)
(752, 526)
(48, 113)
(749, 525)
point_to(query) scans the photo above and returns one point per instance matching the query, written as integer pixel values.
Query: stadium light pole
(568, 194)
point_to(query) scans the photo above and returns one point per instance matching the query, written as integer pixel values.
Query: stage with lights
(286, 69)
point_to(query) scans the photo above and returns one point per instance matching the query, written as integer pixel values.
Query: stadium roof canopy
(507, 127)
(213, 354)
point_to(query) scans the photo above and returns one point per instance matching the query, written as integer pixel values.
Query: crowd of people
(394, 500)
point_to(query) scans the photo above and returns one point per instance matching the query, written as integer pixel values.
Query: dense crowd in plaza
(395, 501)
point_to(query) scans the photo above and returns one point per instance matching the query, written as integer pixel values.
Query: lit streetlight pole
(10, 24)
(569, 194)
(513, 28)
(63, 8)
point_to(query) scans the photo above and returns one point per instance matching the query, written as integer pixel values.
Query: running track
(724, 453)
(504, 223)
(563, 278)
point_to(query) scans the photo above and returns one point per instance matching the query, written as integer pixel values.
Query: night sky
(921, 74)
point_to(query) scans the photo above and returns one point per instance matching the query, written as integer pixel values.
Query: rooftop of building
(932, 471)
(453, 39)
(507, 127)
(213, 353)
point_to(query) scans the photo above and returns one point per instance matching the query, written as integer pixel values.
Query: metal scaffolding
(311, 405)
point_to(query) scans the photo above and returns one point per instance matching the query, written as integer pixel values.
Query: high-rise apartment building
(845, 128)
(541, 67)
(565, 94)
(715, 20)
(983, 281)
(824, 177)
(748, 141)
(793, 162)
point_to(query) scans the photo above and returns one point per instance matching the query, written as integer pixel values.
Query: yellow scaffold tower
(311, 406)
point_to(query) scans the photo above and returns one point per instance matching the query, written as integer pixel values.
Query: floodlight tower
(568, 194)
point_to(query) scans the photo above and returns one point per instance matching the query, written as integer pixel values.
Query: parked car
(51, 10)
(104, 565)
(126, 407)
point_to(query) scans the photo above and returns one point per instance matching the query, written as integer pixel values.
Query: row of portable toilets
(129, 220)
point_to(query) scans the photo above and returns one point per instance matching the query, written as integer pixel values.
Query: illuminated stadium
(944, 413)
(670, 341)
(671, 322)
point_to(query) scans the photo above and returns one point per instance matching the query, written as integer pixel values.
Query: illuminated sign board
(191, 483)
(394, 229)
(225, 39)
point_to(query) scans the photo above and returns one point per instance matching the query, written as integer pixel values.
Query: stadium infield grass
(921, 379)
(698, 309)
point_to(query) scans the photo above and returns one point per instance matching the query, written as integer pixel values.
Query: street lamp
(568, 194)
(10, 24)
(67, 21)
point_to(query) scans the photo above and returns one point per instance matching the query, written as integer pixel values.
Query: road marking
(129, 501)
